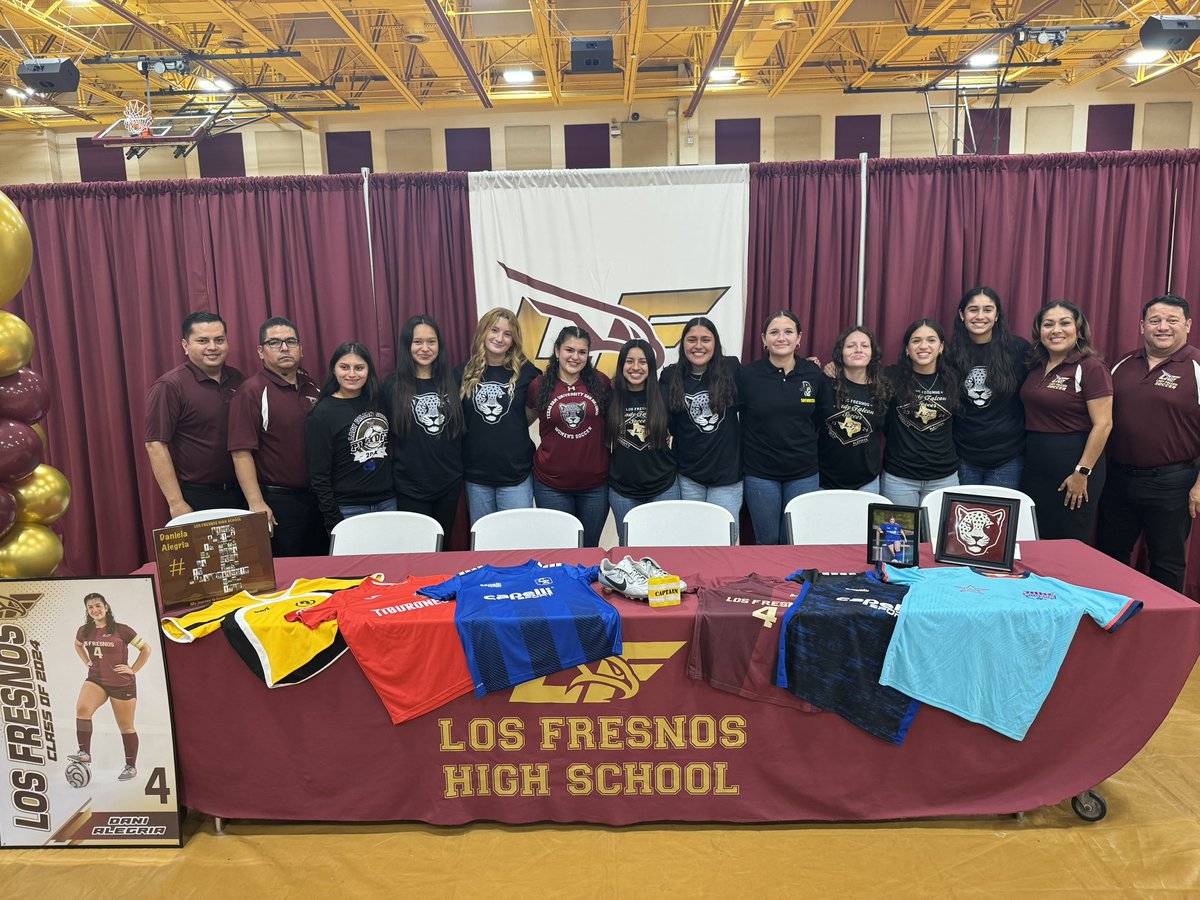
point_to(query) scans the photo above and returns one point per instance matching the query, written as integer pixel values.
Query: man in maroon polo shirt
(187, 414)
(1152, 486)
(266, 440)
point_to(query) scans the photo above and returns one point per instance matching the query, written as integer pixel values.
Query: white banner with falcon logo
(623, 253)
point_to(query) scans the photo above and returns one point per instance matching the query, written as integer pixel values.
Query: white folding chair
(527, 529)
(1027, 529)
(385, 532)
(203, 515)
(829, 517)
(678, 523)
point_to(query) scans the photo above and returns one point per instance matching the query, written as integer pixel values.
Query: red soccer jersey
(106, 649)
(406, 644)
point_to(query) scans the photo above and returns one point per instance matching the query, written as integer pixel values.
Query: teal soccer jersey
(988, 647)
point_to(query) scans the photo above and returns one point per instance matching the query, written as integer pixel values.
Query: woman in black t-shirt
(920, 457)
(497, 449)
(702, 405)
(989, 431)
(851, 439)
(346, 440)
(427, 426)
(641, 467)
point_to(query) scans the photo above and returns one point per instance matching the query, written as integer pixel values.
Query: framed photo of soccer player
(89, 744)
(893, 534)
(977, 531)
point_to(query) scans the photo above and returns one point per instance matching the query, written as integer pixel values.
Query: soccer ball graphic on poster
(78, 775)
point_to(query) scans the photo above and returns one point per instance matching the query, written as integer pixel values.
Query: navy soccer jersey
(831, 650)
(518, 623)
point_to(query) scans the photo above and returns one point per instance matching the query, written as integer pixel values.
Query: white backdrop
(621, 252)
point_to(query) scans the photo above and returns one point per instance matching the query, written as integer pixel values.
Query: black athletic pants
(212, 496)
(1153, 503)
(1049, 459)
(443, 507)
(299, 525)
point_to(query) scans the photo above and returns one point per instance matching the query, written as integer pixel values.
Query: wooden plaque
(205, 561)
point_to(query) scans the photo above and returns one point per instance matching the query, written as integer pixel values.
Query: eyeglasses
(276, 343)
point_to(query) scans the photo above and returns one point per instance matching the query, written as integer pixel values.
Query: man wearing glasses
(266, 440)
(186, 414)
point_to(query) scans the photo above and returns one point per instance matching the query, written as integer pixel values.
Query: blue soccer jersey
(988, 647)
(831, 648)
(892, 533)
(518, 623)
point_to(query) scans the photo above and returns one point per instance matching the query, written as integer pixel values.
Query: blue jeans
(357, 509)
(911, 491)
(590, 507)
(726, 496)
(621, 505)
(766, 499)
(483, 499)
(1004, 475)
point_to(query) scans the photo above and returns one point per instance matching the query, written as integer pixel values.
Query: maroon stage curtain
(802, 251)
(421, 235)
(1093, 228)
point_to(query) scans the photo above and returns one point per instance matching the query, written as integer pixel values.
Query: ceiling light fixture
(983, 60)
(518, 76)
(1144, 57)
(722, 76)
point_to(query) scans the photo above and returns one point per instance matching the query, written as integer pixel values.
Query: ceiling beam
(934, 16)
(814, 43)
(548, 46)
(1127, 13)
(446, 27)
(146, 28)
(1159, 70)
(633, 46)
(368, 50)
(714, 55)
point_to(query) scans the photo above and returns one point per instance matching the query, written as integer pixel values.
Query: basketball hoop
(138, 118)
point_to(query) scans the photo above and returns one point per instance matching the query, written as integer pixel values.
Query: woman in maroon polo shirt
(1068, 415)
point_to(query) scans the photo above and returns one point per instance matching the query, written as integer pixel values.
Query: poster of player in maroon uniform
(88, 750)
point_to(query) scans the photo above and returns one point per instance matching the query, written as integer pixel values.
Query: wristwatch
(1083, 470)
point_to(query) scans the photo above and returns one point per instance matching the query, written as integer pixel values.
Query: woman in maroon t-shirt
(1068, 415)
(570, 467)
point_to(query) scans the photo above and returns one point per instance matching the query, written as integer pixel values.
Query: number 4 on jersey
(768, 614)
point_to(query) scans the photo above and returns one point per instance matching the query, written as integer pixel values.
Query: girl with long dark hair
(851, 442)
(989, 431)
(568, 401)
(642, 466)
(422, 399)
(346, 439)
(784, 402)
(1068, 417)
(920, 456)
(497, 449)
(103, 645)
(702, 406)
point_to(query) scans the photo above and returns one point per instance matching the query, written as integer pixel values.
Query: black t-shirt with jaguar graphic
(425, 463)
(989, 429)
(497, 449)
(708, 447)
(920, 434)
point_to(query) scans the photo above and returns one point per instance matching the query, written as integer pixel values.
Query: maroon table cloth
(633, 739)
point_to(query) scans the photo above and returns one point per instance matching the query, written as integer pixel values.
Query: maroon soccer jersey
(1156, 412)
(1056, 401)
(106, 649)
(189, 412)
(267, 416)
(735, 641)
(572, 455)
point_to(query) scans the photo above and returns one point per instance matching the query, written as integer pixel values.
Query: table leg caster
(1089, 806)
(220, 824)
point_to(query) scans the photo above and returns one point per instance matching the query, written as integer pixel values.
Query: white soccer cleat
(127, 774)
(81, 757)
(624, 577)
(654, 570)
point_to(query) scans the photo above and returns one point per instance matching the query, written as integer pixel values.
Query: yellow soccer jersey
(278, 651)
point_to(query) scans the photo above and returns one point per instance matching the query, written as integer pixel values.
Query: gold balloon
(16, 343)
(41, 432)
(29, 551)
(16, 250)
(42, 496)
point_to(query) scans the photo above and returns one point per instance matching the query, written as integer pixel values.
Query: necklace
(931, 385)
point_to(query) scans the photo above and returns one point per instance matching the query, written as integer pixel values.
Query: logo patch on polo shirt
(1170, 382)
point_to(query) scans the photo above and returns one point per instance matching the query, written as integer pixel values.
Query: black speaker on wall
(50, 76)
(591, 55)
(1169, 32)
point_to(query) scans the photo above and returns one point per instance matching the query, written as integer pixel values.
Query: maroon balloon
(24, 396)
(8, 512)
(20, 450)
